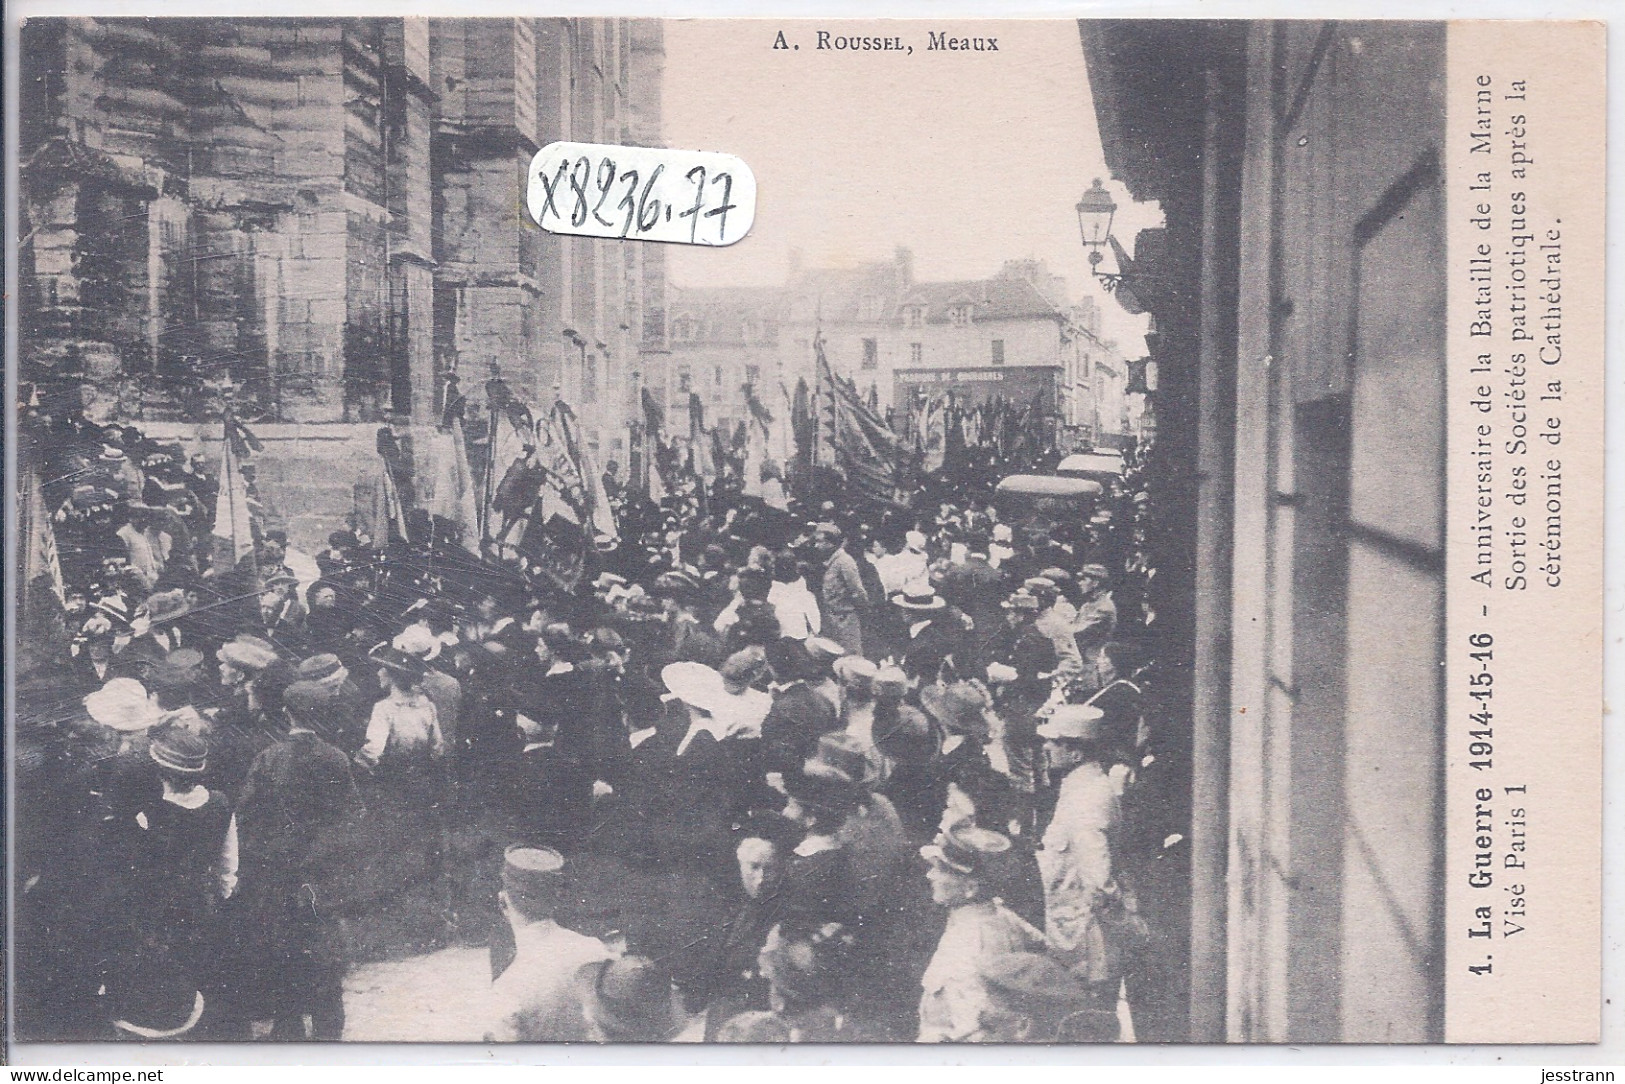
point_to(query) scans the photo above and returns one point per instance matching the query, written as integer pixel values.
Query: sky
(967, 158)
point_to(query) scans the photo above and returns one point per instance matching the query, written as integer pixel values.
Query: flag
(574, 488)
(42, 633)
(803, 427)
(442, 463)
(654, 420)
(933, 436)
(42, 564)
(233, 526)
(511, 428)
(865, 449)
(705, 460)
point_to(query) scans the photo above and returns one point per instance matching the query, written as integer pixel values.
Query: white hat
(695, 684)
(1072, 722)
(418, 641)
(122, 704)
(915, 541)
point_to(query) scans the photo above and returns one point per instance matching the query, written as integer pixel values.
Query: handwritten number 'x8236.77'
(577, 184)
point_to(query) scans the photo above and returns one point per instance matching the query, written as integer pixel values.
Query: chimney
(903, 257)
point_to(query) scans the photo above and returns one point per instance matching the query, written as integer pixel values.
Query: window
(589, 377)
(685, 380)
(916, 353)
(718, 380)
(914, 316)
(869, 307)
(753, 374)
(871, 354)
(959, 316)
(998, 351)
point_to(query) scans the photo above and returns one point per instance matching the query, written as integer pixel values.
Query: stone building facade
(328, 213)
(877, 321)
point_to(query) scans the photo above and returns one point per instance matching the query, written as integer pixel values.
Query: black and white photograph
(620, 530)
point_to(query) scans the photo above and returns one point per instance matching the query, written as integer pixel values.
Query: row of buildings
(1013, 334)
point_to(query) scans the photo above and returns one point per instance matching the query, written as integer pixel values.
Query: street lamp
(1095, 211)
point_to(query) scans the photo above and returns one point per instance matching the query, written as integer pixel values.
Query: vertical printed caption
(641, 193)
(1523, 658)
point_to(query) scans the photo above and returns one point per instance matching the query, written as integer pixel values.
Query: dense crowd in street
(764, 775)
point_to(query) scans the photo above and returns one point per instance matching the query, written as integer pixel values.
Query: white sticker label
(646, 193)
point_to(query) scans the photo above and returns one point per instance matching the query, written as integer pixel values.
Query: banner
(233, 525)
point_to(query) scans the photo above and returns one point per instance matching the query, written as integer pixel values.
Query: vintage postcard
(559, 530)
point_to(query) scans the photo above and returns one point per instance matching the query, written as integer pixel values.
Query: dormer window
(914, 316)
(959, 315)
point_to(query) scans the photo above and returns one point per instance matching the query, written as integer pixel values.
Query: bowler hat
(179, 668)
(824, 787)
(789, 659)
(306, 701)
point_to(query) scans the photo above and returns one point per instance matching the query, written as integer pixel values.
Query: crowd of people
(905, 756)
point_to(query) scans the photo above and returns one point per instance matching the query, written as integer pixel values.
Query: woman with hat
(403, 754)
(954, 993)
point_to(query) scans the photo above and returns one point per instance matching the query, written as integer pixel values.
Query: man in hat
(183, 860)
(749, 618)
(955, 996)
(1077, 859)
(820, 883)
(281, 616)
(936, 647)
(1096, 622)
(296, 822)
(1021, 669)
(534, 961)
(686, 638)
(799, 713)
(344, 722)
(976, 588)
(1055, 620)
(844, 601)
